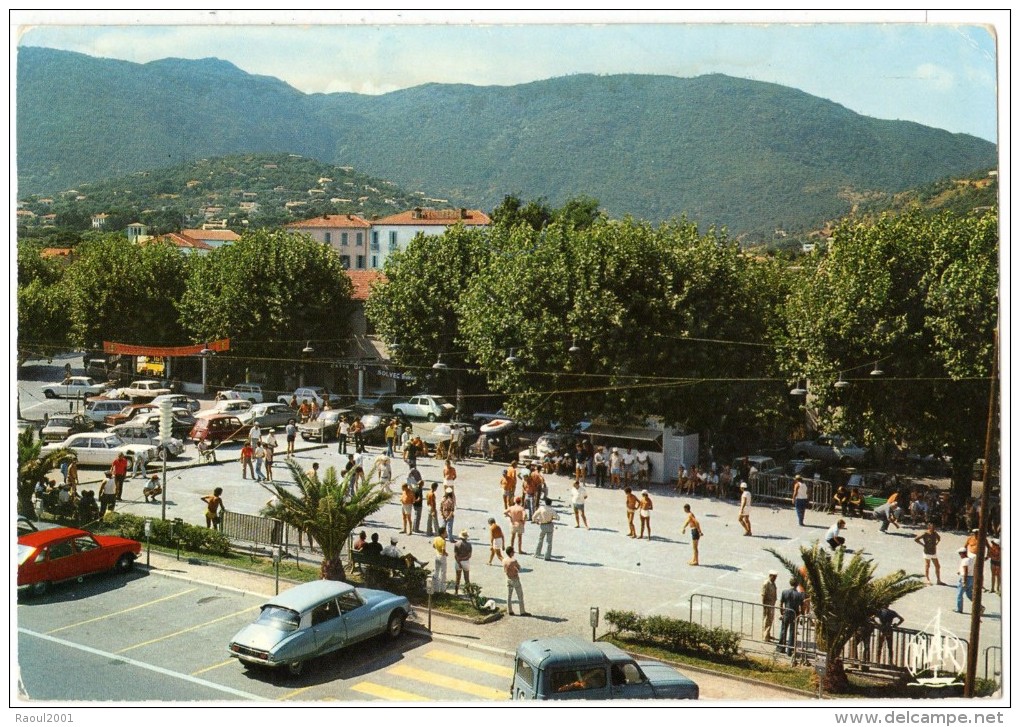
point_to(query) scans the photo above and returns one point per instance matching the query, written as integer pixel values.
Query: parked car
(443, 431)
(269, 415)
(225, 406)
(314, 619)
(553, 442)
(144, 390)
(181, 422)
(26, 526)
(310, 393)
(217, 428)
(324, 428)
(143, 434)
(831, 448)
(179, 400)
(803, 467)
(249, 391)
(74, 387)
(568, 667)
(61, 554)
(128, 413)
(98, 409)
(61, 426)
(424, 406)
(381, 400)
(763, 463)
(97, 449)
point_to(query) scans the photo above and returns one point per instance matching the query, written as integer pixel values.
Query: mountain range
(754, 157)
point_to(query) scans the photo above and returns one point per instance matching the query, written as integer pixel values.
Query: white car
(832, 449)
(98, 409)
(225, 406)
(137, 434)
(424, 406)
(98, 449)
(147, 389)
(74, 387)
(249, 391)
(309, 393)
(178, 400)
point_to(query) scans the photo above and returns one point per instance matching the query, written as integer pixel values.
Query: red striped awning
(126, 349)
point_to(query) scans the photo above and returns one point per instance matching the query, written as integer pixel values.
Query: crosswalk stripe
(441, 680)
(393, 695)
(450, 658)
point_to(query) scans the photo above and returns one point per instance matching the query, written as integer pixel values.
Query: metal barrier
(995, 652)
(745, 617)
(254, 529)
(779, 488)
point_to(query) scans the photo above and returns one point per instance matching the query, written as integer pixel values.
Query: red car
(217, 428)
(60, 554)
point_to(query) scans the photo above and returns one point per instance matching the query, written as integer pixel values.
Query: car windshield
(24, 553)
(114, 441)
(59, 422)
(279, 618)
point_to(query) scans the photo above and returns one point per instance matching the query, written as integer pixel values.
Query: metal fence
(257, 530)
(993, 654)
(866, 652)
(779, 488)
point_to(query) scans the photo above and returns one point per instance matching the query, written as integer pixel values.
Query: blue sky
(940, 73)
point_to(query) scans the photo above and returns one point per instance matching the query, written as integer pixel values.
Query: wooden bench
(403, 566)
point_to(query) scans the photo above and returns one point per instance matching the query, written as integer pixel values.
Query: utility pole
(979, 560)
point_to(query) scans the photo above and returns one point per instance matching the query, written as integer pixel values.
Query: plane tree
(624, 320)
(916, 296)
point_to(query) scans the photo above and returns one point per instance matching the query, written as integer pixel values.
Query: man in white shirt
(642, 466)
(744, 515)
(628, 466)
(578, 494)
(544, 517)
(832, 536)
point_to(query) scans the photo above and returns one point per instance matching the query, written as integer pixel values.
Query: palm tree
(844, 596)
(33, 467)
(327, 510)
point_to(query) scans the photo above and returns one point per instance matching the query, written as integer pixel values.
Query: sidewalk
(500, 637)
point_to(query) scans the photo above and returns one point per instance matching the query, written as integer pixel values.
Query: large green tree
(125, 292)
(663, 321)
(918, 294)
(844, 595)
(414, 309)
(270, 292)
(42, 304)
(327, 509)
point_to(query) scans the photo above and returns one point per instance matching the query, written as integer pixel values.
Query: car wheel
(295, 668)
(40, 588)
(48, 393)
(125, 563)
(398, 412)
(802, 455)
(431, 417)
(395, 626)
(252, 401)
(844, 461)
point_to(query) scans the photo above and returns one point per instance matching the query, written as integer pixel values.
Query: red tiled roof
(363, 281)
(423, 217)
(179, 239)
(332, 221)
(225, 235)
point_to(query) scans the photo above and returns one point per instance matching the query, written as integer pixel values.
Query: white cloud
(939, 78)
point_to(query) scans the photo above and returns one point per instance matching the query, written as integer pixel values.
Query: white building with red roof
(394, 232)
(347, 234)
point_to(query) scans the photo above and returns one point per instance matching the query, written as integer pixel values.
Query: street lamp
(511, 359)
(306, 351)
(841, 383)
(308, 348)
(439, 365)
(574, 348)
(205, 353)
(877, 371)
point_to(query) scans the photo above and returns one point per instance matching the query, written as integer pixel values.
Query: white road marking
(143, 665)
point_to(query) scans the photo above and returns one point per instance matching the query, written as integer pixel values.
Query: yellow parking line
(292, 694)
(393, 695)
(210, 668)
(118, 613)
(441, 680)
(495, 669)
(190, 628)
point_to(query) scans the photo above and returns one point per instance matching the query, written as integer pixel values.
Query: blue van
(566, 667)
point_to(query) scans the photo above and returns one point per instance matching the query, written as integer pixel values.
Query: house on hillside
(185, 243)
(99, 221)
(394, 232)
(213, 238)
(347, 234)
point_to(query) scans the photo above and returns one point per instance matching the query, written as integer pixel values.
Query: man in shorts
(495, 541)
(930, 540)
(462, 562)
(578, 494)
(517, 517)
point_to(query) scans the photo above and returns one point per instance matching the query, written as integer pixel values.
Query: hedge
(194, 538)
(676, 634)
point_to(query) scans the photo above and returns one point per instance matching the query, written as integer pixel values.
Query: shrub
(676, 634)
(193, 538)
